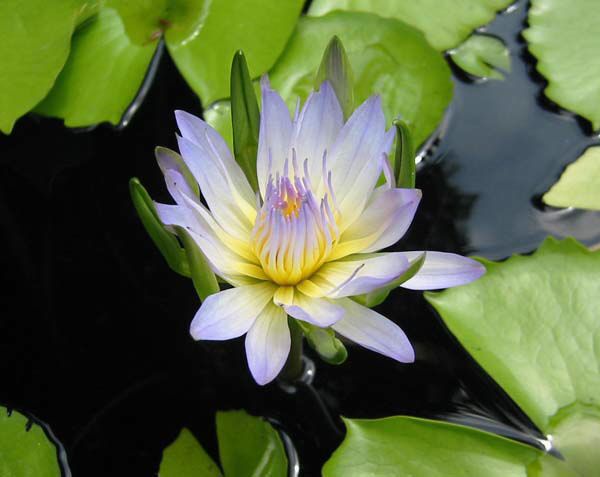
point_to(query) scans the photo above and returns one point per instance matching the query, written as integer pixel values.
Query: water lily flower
(309, 240)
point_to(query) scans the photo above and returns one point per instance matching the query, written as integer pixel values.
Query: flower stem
(293, 367)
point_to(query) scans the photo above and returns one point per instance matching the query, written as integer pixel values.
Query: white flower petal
(274, 136)
(268, 344)
(230, 313)
(317, 311)
(355, 275)
(443, 270)
(373, 331)
(384, 221)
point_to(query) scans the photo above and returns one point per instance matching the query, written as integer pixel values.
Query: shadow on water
(95, 340)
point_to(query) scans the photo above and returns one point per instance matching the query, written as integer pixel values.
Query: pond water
(94, 330)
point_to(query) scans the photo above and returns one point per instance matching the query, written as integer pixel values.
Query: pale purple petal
(355, 275)
(173, 215)
(274, 136)
(443, 270)
(230, 313)
(268, 344)
(373, 331)
(317, 311)
(384, 221)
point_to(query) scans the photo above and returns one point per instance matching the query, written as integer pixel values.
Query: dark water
(94, 326)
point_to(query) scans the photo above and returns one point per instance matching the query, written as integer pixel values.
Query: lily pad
(25, 451)
(185, 457)
(387, 56)
(579, 186)
(483, 56)
(102, 76)
(410, 447)
(259, 27)
(563, 36)
(532, 323)
(446, 23)
(36, 37)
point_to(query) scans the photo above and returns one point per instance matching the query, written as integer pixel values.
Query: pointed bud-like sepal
(205, 281)
(376, 297)
(165, 241)
(404, 164)
(170, 160)
(335, 68)
(324, 342)
(245, 118)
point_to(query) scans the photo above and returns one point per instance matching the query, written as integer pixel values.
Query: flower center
(294, 232)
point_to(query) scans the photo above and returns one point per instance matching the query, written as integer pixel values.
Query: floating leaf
(411, 447)
(259, 27)
(36, 37)
(482, 55)
(25, 450)
(563, 36)
(249, 446)
(146, 20)
(532, 323)
(102, 76)
(185, 457)
(387, 56)
(446, 23)
(579, 186)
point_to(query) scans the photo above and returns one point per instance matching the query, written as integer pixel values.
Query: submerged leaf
(532, 323)
(102, 75)
(563, 36)
(579, 186)
(483, 56)
(411, 447)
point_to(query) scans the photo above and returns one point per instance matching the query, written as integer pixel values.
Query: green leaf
(335, 68)
(446, 23)
(25, 451)
(404, 159)
(410, 447)
(36, 37)
(324, 342)
(532, 323)
(579, 186)
(245, 118)
(249, 446)
(203, 277)
(563, 36)
(146, 20)
(102, 75)
(482, 55)
(166, 242)
(259, 27)
(387, 56)
(185, 457)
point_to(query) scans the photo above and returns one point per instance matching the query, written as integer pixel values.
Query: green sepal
(171, 159)
(205, 281)
(324, 342)
(336, 69)
(404, 163)
(245, 118)
(165, 241)
(376, 297)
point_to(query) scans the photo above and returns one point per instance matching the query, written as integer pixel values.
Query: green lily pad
(579, 186)
(259, 27)
(410, 447)
(185, 457)
(36, 37)
(102, 76)
(563, 36)
(146, 20)
(387, 56)
(25, 450)
(532, 323)
(446, 23)
(249, 446)
(483, 56)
